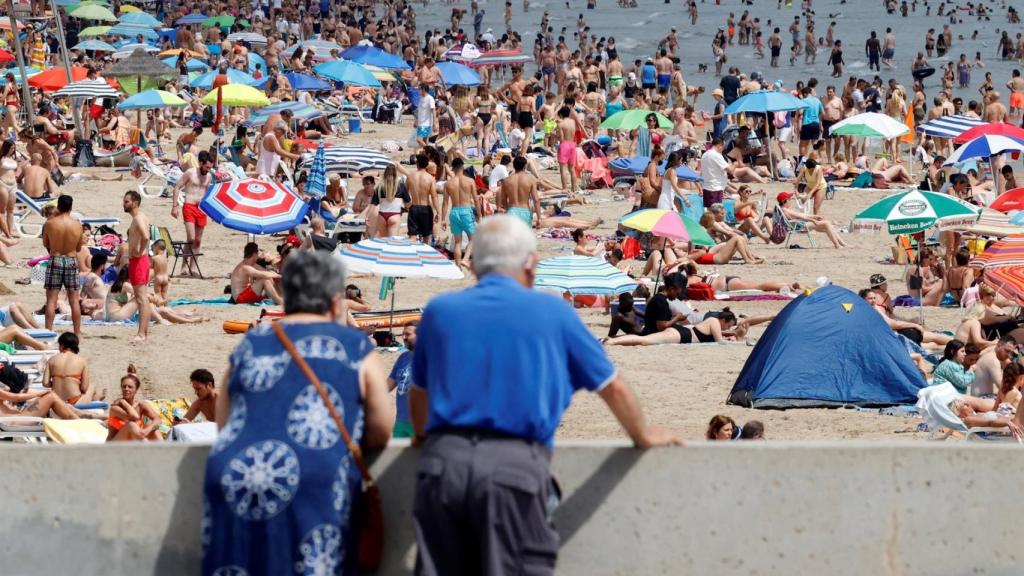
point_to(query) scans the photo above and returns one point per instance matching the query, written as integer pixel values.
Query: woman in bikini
(749, 214)
(37, 404)
(725, 283)
(650, 182)
(120, 305)
(390, 197)
(525, 110)
(12, 101)
(970, 329)
(484, 111)
(131, 417)
(8, 185)
(922, 282)
(816, 223)
(958, 278)
(722, 252)
(704, 332)
(67, 373)
(582, 247)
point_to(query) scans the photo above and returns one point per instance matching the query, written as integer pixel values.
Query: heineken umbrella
(631, 119)
(915, 211)
(870, 125)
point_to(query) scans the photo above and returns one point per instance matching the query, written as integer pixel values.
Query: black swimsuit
(686, 335)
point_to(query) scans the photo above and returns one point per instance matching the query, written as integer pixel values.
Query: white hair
(502, 244)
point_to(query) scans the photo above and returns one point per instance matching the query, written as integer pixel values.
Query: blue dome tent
(827, 349)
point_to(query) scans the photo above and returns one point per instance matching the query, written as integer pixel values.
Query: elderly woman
(281, 481)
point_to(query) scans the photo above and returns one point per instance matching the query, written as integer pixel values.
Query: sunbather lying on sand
(725, 283)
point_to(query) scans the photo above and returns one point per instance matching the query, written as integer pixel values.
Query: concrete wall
(756, 508)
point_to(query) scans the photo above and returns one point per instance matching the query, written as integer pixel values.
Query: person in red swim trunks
(195, 181)
(250, 282)
(138, 259)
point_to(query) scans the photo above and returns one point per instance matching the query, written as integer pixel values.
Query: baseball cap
(783, 196)
(877, 280)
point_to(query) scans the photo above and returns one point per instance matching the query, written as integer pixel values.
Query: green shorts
(523, 214)
(615, 81)
(402, 429)
(462, 219)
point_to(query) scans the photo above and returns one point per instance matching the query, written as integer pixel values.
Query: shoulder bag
(370, 514)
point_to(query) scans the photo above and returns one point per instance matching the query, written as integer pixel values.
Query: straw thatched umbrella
(140, 64)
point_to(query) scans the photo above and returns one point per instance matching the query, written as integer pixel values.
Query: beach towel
(169, 409)
(215, 301)
(75, 431)
(752, 296)
(92, 322)
(598, 168)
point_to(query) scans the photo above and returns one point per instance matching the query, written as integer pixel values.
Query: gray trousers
(482, 507)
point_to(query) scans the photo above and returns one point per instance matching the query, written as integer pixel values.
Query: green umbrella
(220, 21)
(698, 234)
(244, 23)
(95, 31)
(93, 12)
(915, 211)
(630, 119)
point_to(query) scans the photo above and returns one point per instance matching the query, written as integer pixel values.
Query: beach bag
(699, 291)
(58, 177)
(779, 230)
(863, 180)
(370, 513)
(84, 158)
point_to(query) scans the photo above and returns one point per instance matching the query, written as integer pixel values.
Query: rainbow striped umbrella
(1007, 280)
(501, 58)
(668, 224)
(1007, 252)
(399, 257)
(253, 206)
(582, 275)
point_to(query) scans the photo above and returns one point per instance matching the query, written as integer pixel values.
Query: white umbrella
(870, 125)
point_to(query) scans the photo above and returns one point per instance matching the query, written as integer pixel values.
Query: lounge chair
(34, 207)
(170, 176)
(182, 250)
(933, 405)
(24, 428)
(779, 217)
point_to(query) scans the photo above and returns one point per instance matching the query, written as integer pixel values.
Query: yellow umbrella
(129, 8)
(379, 73)
(176, 51)
(237, 95)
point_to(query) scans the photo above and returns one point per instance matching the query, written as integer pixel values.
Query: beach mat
(215, 301)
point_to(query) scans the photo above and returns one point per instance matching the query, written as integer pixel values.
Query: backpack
(699, 291)
(84, 157)
(779, 228)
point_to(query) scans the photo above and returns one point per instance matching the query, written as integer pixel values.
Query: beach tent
(827, 349)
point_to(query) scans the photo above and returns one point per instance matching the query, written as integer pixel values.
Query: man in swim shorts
(62, 238)
(566, 132)
(138, 258)
(460, 194)
(1016, 86)
(663, 66)
(250, 282)
(516, 193)
(195, 181)
(423, 212)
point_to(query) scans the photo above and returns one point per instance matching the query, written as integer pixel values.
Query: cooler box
(355, 125)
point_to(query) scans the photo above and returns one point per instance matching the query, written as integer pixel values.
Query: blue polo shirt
(813, 111)
(501, 357)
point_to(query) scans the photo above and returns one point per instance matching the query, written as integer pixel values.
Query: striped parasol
(993, 224)
(191, 19)
(399, 257)
(501, 58)
(1005, 253)
(253, 206)
(462, 53)
(351, 159)
(582, 275)
(205, 80)
(1006, 280)
(317, 184)
(321, 49)
(97, 88)
(948, 126)
(250, 37)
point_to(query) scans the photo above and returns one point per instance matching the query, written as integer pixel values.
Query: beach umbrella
(140, 18)
(666, 224)
(990, 129)
(455, 74)
(175, 51)
(351, 159)
(29, 72)
(914, 211)
(1006, 280)
(255, 59)
(6, 56)
(56, 78)
(98, 88)
(948, 126)
(316, 186)
(321, 49)
(205, 81)
(1003, 253)
(5, 24)
(250, 37)
(238, 95)
(380, 73)
(1009, 201)
(462, 53)
(301, 112)
(92, 45)
(637, 165)
(346, 72)
(138, 65)
(191, 19)
(93, 12)
(375, 56)
(986, 146)
(132, 30)
(992, 224)
(129, 9)
(870, 125)
(253, 206)
(582, 275)
(152, 99)
(632, 119)
(765, 101)
(501, 58)
(94, 31)
(304, 82)
(193, 64)
(222, 21)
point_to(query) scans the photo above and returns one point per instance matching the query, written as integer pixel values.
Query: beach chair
(170, 176)
(23, 220)
(182, 250)
(23, 428)
(778, 217)
(933, 405)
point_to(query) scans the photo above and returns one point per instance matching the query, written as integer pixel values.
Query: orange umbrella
(56, 78)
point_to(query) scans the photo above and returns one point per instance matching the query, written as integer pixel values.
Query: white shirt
(499, 173)
(712, 170)
(425, 111)
(515, 138)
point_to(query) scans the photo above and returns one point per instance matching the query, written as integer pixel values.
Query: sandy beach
(679, 386)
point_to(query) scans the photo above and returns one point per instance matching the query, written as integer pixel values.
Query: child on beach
(161, 279)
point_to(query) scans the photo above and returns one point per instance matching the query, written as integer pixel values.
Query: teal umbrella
(346, 72)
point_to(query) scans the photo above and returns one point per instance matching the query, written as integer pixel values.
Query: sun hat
(783, 196)
(718, 92)
(877, 280)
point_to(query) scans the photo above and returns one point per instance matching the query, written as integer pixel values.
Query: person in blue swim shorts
(460, 194)
(518, 192)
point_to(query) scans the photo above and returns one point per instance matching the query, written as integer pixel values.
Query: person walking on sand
(518, 192)
(460, 194)
(138, 259)
(566, 131)
(488, 437)
(62, 238)
(423, 210)
(195, 181)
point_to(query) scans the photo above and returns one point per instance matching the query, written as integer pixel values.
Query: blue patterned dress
(280, 480)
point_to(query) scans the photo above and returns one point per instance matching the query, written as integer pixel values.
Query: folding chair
(778, 216)
(182, 251)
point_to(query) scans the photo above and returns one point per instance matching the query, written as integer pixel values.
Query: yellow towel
(75, 431)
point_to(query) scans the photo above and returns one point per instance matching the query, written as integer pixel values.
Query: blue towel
(215, 301)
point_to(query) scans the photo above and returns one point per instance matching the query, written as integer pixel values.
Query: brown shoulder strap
(357, 452)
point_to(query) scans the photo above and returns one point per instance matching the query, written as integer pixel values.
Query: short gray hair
(502, 244)
(310, 280)
(716, 208)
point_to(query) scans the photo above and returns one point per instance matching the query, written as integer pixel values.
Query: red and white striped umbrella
(254, 206)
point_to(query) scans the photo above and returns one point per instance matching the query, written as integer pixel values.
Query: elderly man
(486, 408)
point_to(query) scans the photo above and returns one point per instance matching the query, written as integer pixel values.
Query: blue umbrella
(305, 82)
(638, 164)
(347, 72)
(985, 146)
(302, 112)
(151, 99)
(205, 81)
(764, 101)
(93, 45)
(255, 59)
(375, 56)
(455, 74)
(193, 64)
(140, 18)
(133, 30)
(29, 73)
(190, 19)
(317, 185)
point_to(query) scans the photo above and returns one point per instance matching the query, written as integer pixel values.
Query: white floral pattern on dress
(320, 552)
(325, 348)
(259, 373)
(231, 430)
(339, 488)
(310, 423)
(206, 527)
(230, 571)
(261, 481)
